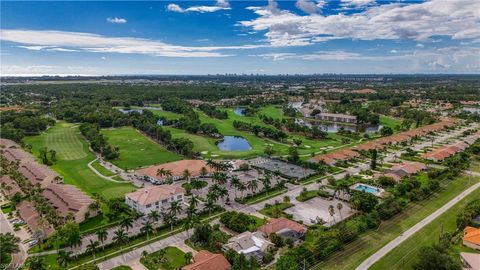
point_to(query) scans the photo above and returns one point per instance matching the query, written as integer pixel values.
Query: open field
(75, 171)
(272, 111)
(104, 171)
(405, 255)
(136, 150)
(225, 127)
(391, 122)
(368, 243)
(166, 114)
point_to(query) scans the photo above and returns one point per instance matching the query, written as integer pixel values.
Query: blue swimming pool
(367, 188)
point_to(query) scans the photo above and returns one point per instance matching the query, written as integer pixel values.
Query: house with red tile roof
(471, 237)
(68, 199)
(284, 227)
(9, 186)
(470, 261)
(35, 223)
(406, 168)
(37, 173)
(154, 198)
(176, 168)
(205, 260)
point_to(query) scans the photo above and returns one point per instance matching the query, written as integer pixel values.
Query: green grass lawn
(391, 122)
(102, 169)
(122, 267)
(475, 165)
(167, 115)
(405, 255)
(136, 150)
(75, 171)
(174, 258)
(275, 210)
(368, 243)
(272, 111)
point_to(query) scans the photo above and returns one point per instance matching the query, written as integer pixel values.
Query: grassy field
(174, 259)
(66, 140)
(102, 169)
(368, 243)
(167, 115)
(208, 147)
(136, 150)
(391, 122)
(405, 255)
(272, 111)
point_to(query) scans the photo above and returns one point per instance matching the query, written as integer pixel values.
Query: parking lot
(311, 211)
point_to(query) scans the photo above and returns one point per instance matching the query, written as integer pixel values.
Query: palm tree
(147, 228)
(120, 237)
(252, 185)
(186, 175)
(331, 210)
(154, 216)
(222, 192)
(242, 187)
(102, 235)
(175, 208)
(92, 247)
(63, 257)
(209, 205)
(193, 201)
(161, 172)
(203, 172)
(169, 218)
(220, 178)
(126, 223)
(169, 175)
(188, 257)
(212, 164)
(234, 182)
(267, 182)
(339, 207)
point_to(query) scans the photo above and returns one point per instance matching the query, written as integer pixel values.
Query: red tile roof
(176, 168)
(154, 194)
(275, 225)
(471, 235)
(205, 260)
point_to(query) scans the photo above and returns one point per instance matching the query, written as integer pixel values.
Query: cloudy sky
(267, 37)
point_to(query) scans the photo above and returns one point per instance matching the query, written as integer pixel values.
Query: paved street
(404, 236)
(18, 258)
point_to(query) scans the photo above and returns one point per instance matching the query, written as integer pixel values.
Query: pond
(239, 111)
(233, 143)
(335, 127)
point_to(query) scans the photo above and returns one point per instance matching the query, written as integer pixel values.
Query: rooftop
(154, 194)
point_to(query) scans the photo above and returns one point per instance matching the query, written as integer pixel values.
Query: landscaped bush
(207, 237)
(168, 259)
(239, 222)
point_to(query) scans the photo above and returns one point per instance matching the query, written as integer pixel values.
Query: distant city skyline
(242, 37)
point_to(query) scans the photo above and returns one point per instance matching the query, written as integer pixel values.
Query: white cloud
(357, 3)
(116, 20)
(419, 45)
(307, 6)
(395, 21)
(393, 51)
(103, 58)
(219, 5)
(76, 41)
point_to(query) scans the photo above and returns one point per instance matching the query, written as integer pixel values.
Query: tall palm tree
(220, 178)
(331, 210)
(154, 216)
(161, 172)
(212, 164)
(340, 207)
(92, 247)
(242, 187)
(147, 228)
(203, 172)
(126, 223)
(193, 201)
(234, 182)
(120, 237)
(186, 175)
(63, 257)
(175, 208)
(267, 182)
(102, 235)
(222, 192)
(252, 185)
(209, 205)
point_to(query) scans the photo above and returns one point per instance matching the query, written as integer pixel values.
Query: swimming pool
(367, 188)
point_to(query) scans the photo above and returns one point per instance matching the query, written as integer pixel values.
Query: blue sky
(266, 37)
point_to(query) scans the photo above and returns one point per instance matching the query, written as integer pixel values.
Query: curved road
(397, 241)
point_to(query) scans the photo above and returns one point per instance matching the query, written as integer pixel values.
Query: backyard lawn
(136, 150)
(391, 122)
(73, 156)
(405, 255)
(166, 259)
(368, 243)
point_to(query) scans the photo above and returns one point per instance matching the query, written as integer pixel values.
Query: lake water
(233, 143)
(239, 111)
(335, 127)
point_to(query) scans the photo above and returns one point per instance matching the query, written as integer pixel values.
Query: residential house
(34, 222)
(67, 199)
(38, 174)
(13, 154)
(176, 169)
(337, 117)
(331, 158)
(205, 260)
(284, 227)
(9, 186)
(470, 261)
(471, 237)
(251, 244)
(406, 168)
(155, 198)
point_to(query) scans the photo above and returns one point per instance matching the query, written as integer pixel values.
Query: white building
(155, 198)
(250, 244)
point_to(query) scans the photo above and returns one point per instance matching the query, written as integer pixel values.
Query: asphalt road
(397, 241)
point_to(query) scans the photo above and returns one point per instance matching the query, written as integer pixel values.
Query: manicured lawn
(136, 150)
(368, 243)
(122, 267)
(275, 210)
(75, 171)
(475, 165)
(272, 111)
(167, 115)
(174, 258)
(102, 169)
(406, 254)
(391, 122)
